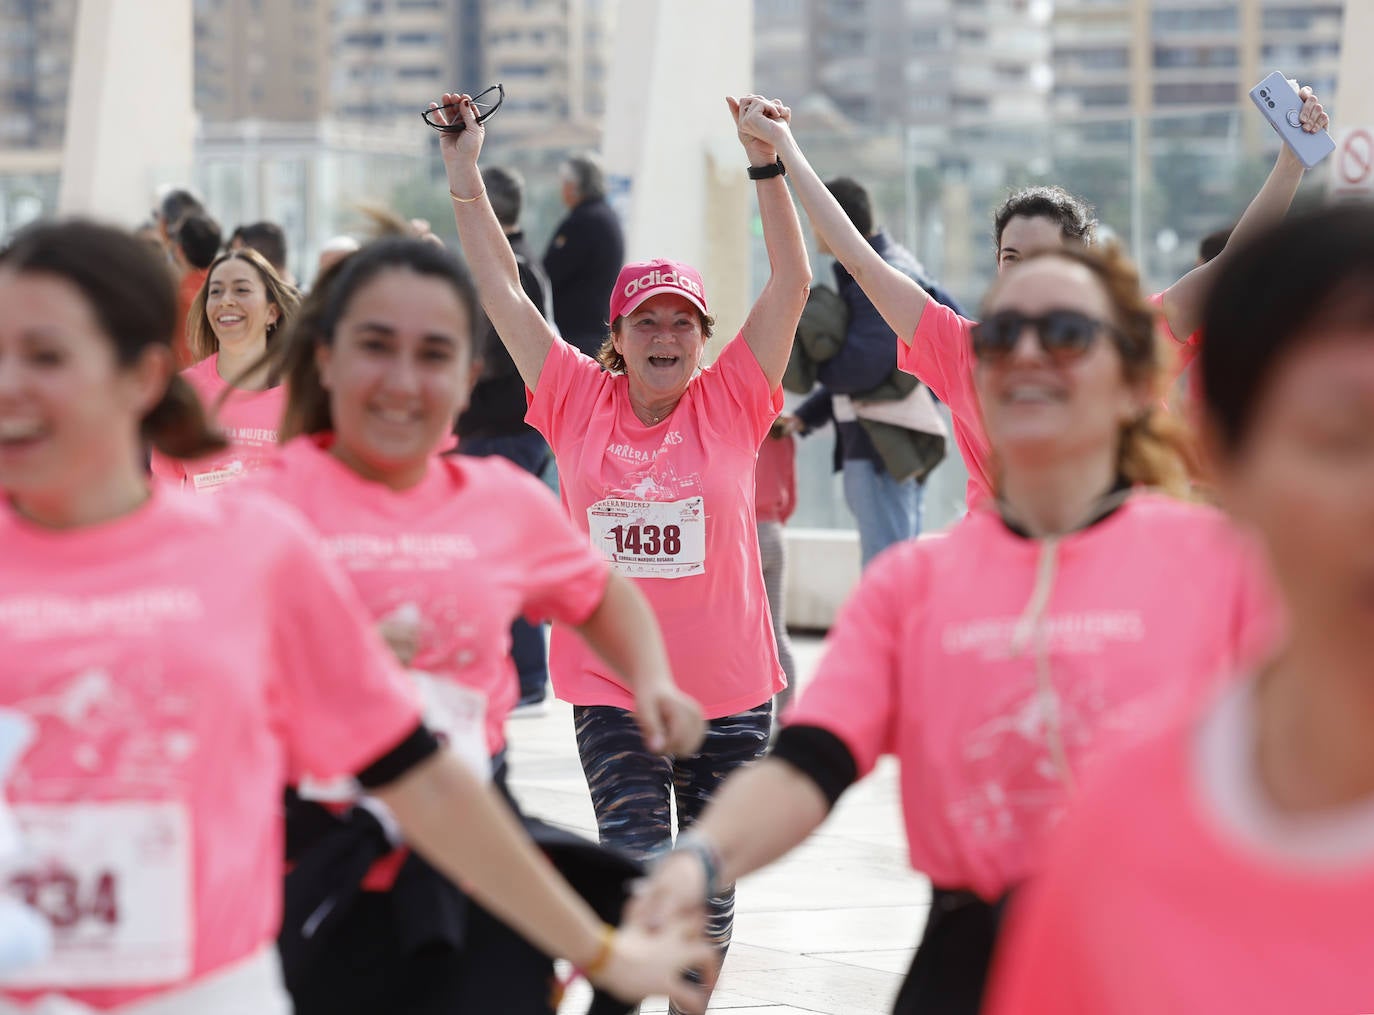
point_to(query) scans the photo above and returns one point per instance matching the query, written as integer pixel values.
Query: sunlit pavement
(830, 928)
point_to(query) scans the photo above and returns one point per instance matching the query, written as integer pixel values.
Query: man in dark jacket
(886, 509)
(584, 256)
(494, 422)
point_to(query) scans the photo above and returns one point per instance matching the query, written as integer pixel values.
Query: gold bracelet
(602, 959)
(468, 200)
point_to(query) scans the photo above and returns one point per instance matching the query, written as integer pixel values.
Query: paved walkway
(828, 929)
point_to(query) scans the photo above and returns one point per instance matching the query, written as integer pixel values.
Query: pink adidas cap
(639, 281)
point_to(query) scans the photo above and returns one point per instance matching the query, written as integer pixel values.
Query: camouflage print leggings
(632, 789)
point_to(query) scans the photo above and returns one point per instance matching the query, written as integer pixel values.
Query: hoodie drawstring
(1033, 624)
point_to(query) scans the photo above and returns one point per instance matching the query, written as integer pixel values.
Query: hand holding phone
(1278, 99)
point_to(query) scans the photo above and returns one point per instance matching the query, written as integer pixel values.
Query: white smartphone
(1277, 98)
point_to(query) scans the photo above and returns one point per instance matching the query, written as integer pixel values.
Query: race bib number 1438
(646, 539)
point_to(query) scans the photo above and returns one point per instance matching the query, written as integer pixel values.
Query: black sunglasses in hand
(1063, 334)
(485, 103)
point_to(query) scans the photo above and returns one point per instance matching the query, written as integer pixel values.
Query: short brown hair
(284, 296)
(615, 363)
(1155, 448)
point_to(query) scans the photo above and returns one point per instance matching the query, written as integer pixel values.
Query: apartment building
(938, 63)
(1117, 58)
(35, 63)
(378, 60)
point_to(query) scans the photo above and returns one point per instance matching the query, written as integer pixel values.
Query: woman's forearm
(898, 298)
(466, 832)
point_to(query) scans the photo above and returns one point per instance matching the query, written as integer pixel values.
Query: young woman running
(181, 658)
(656, 460)
(239, 309)
(1229, 865)
(934, 340)
(445, 552)
(1003, 661)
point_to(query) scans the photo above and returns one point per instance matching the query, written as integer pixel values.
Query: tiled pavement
(828, 929)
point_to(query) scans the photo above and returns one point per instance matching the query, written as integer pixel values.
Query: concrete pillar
(675, 169)
(1354, 99)
(130, 107)
(1354, 107)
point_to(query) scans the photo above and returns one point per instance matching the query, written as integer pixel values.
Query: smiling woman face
(1040, 407)
(68, 408)
(398, 372)
(237, 305)
(662, 342)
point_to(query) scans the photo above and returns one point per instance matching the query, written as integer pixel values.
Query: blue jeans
(527, 648)
(884, 510)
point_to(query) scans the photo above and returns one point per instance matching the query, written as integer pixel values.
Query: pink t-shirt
(1152, 900)
(672, 506)
(182, 664)
(474, 545)
(1145, 609)
(249, 419)
(941, 355)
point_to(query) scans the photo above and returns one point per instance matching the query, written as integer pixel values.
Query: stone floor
(828, 929)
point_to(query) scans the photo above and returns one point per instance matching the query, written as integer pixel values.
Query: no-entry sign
(1354, 168)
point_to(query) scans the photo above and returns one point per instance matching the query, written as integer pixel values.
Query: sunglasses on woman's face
(484, 104)
(1063, 334)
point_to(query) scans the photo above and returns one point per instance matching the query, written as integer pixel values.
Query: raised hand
(464, 146)
(761, 124)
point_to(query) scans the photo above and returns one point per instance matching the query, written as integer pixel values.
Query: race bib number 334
(114, 881)
(645, 539)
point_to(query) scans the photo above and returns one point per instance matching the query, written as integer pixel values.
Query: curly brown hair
(1157, 448)
(609, 358)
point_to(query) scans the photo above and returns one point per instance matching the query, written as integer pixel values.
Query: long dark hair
(292, 357)
(134, 299)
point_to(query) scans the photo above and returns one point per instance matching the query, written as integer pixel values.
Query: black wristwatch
(769, 171)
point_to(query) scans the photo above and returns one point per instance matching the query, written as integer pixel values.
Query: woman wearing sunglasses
(1003, 661)
(934, 341)
(656, 457)
(1229, 865)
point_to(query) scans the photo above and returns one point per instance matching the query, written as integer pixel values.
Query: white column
(1355, 86)
(677, 172)
(1352, 172)
(130, 107)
